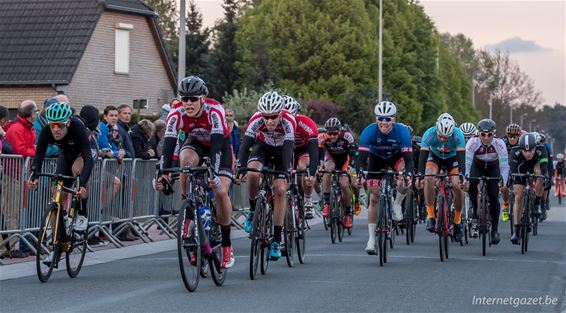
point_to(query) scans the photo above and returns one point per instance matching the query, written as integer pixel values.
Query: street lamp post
(182, 44)
(380, 83)
(510, 113)
(523, 116)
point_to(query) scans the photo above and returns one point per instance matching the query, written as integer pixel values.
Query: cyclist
(443, 148)
(416, 143)
(559, 173)
(544, 205)
(388, 145)
(468, 130)
(337, 151)
(487, 156)
(271, 132)
(511, 139)
(526, 157)
(306, 149)
(70, 134)
(203, 120)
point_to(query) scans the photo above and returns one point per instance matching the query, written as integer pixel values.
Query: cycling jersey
(345, 144)
(384, 146)
(443, 150)
(520, 165)
(282, 137)
(561, 169)
(209, 130)
(488, 156)
(76, 142)
(507, 144)
(306, 142)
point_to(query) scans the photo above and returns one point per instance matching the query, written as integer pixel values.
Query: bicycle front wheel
(76, 252)
(440, 220)
(47, 253)
(215, 262)
(256, 242)
(289, 233)
(301, 234)
(188, 250)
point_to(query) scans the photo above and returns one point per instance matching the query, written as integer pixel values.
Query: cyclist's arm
(244, 152)
(45, 137)
(513, 162)
(471, 147)
(501, 150)
(543, 161)
(407, 150)
(173, 124)
(216, 139)
(461, 157)
(461, 151)
(363, 149)
(289, 125)
(423, 156)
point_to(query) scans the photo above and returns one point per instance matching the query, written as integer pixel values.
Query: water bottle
(204, 212)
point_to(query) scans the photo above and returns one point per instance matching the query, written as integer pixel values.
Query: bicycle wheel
(440, 225)
(266, 235)
(289, 237)
(255, 248)
(511, 206)
(188, 249)
(302, 232)
(76, 253)
(409, 214)
(534, 222)
(392, 234)
(215, 261)
(45, 247)
(340, 220)
(382, 231)
(333, 220)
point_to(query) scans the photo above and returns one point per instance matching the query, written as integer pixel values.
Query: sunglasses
(191, 99)
(114, 130)
(384, 118)
(530, 150)
(59, 125)
(512, 136)
(486, 134)
(270, 117)
(332, 133)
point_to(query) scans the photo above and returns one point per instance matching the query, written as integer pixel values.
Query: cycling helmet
(486, 125)
(527, 141)
(270, 103)
(559, 157)
(513, 129)
(58, 112)
(291, 105)
(332, 123)
(192, 86)
(468, 129)
(542, 138)
(385, 108)
(445, 125)
(321, 130)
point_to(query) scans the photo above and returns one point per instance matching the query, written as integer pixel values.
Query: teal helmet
(58, 112)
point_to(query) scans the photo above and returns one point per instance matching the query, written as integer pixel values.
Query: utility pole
(182, 43)
(380, 79)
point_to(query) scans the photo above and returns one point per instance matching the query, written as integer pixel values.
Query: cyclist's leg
(458, 197)
(402, 187)
(280, 204)
(82, 219)
(224, 204)
(256, 161)
(539, 189)
(344, 182)
(329, 165)
(431, 168)
(473, 190)
(188, 156)
(375, 164)
(494, 206)
(302, 163)
(518, 187)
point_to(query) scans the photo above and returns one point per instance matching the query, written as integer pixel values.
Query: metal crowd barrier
(121, 196)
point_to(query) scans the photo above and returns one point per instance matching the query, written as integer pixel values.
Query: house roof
(42, 42)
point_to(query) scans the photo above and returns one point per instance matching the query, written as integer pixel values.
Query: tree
(198, 43)
(168, 20)
(223, 73)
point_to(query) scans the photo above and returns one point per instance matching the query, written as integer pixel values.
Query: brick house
(99, 52)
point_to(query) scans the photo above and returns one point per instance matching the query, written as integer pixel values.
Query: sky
(533, 32)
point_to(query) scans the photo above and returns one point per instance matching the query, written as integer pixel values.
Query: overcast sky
(532, 31)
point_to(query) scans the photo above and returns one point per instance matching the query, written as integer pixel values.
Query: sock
(225, 230)
(457, 217)
(371, 231)
(348, 210)
(327, 197)
(252, 205)
(277, 233)
(506, 205)
(430, 211)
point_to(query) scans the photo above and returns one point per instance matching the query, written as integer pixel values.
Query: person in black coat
(141, 134)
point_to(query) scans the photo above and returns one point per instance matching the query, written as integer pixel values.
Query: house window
(122, 48)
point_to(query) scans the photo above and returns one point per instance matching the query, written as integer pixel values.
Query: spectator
(156, 141)
(3, 120)
(21, 136)
(40, 122)
(167, 107)
(105, 127)
(124, 118)
(142, 132)
(233, 128)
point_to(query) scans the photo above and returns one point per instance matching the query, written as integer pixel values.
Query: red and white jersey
(306, 129)
(284, 131)
(211, 121)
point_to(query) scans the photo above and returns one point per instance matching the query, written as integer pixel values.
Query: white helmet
(332, 122)
(271, 102)
(560, 157)
(291, 104)
(468, 129)
(445, 125)
(385, 108)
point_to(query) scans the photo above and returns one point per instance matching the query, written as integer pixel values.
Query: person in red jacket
(21, 135)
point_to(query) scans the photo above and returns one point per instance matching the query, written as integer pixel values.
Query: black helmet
(527, 141)
(192, 86)
(486, 125)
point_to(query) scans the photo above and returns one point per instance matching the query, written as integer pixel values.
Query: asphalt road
(335, 278)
